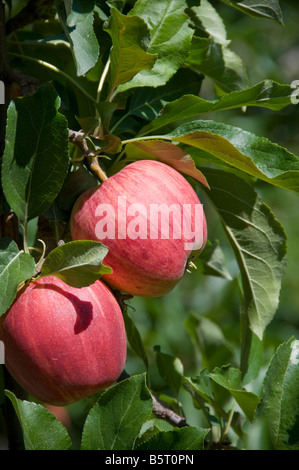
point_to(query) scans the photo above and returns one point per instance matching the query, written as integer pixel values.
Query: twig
(78, 138)
(26, 83)
(164, 412)
(161, 409)
(34, 10)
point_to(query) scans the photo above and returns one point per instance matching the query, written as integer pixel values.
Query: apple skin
(63, 344)
(141, 267)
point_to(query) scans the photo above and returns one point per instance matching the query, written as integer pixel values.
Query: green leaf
(41, 430)
(268, 9)
(280, 399)
(212, 261)
(218, 62)
(191, 438)
(209, 339)
(256, 156)
(76, 182)
(134, 338)
(207, 21)
(77, 263)
(251, 351)
(201, 384)
(268, 94)
(259, 243)
(114, 422)
(15, 267)
(147, 102)
(200, 388)
(171, 370)
(230, 379)
(35, 160)
(81, 35)
(128, 56)
(170, 39)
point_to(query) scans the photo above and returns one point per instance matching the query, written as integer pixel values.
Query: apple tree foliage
(91, 86)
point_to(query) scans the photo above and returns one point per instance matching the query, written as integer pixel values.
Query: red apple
(122, 213)
(63, 344)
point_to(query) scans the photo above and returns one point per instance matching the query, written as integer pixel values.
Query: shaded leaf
(191, 438)
(211, 261)
(147, 102)
(230, 379)
(134, 338)
(209, 339)
(170, 369)
(218, 62)
(35, 161)
(200, 388)
(75, 184)
(258, 241)
(252, 349)
(268, 9)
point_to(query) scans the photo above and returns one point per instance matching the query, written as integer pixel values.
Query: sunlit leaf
(15, 267)
(280, 400)
(115, 420)
(78, 263)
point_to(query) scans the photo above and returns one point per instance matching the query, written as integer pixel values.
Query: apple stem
(94, 166)
(160, 408)
(89, 155)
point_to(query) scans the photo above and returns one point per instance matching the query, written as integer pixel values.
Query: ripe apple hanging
(150, 218)
(62, 343)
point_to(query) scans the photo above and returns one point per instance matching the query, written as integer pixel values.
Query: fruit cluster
(64, 343)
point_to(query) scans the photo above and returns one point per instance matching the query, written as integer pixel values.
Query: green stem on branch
(102, 80)
(25, 237)
(228, 423)
(148, 137)
(78, 139)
